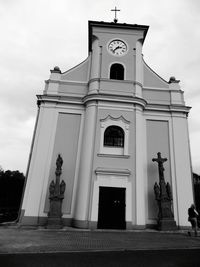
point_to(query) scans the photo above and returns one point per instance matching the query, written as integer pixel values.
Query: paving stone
(18, 240)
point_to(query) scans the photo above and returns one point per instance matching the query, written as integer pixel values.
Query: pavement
(16, 240)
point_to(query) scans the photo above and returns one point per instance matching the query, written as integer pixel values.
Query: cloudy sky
(37, 35)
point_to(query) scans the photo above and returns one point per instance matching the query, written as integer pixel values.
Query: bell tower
(119, 45)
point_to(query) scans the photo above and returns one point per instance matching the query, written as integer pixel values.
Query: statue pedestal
(55, 215)
(166, 220)
(54, 223)
(167, 225)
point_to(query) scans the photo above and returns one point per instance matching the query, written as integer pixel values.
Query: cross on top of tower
(116, 10)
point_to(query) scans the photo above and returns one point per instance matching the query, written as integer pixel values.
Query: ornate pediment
(117, 119)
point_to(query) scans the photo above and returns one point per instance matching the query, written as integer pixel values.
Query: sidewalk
(18, 240)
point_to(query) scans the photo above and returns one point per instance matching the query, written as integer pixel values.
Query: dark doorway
(111, 208)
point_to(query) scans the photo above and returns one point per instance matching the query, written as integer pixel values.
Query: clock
(117, 47)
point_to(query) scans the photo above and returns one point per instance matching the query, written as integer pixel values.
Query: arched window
(114, 136)
(117, 72)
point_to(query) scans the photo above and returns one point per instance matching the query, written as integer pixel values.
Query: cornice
(167, 108)
(113, 156)
(159, 89)
(56, 99)
(114, 81)
(90, 98)
(115, 98)
(92, 80)
(67, 82)
(75, 100)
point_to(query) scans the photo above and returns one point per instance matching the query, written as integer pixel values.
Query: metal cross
(115, 19)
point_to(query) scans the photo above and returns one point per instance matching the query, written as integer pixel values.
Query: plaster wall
(156, 96)
(78, 73)
(151, 79)
(183, 169)
(117, 87)
(157, 141)
(40, 161)
(73, 89)
(66, 144)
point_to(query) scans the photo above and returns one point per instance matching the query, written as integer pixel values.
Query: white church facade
(107, 118)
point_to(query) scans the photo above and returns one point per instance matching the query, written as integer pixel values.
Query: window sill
(113, 156)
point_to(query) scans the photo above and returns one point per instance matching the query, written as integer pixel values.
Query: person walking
(193, 214)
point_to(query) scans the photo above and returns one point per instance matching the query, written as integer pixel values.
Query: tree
(196, 181)
(11, 189)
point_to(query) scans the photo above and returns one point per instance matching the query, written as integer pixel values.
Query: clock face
(117, 47)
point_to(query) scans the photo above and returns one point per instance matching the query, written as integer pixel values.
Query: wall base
(83, 224)
(33, 221)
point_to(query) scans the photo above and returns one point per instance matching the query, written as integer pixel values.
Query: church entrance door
(111, 208)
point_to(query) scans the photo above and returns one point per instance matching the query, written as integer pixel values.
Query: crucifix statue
(116, 10)
(160, 162)
(163, 197)
(161, 169)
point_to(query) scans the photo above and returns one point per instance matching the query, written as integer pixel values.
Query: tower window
(117, 72)
(114, 136)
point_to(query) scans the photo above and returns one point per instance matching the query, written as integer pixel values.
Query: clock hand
(117, 48)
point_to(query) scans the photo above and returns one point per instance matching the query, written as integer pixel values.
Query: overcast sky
(37, 35)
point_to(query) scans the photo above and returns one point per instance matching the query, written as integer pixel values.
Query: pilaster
(86, 161)
(95, 67)
(182, 167)
(140, 156)
(138, 69)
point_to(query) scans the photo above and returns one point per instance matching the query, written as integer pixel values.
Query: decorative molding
(58, 99)
(113, 156)
(117, 172)
(153, 89)
(79, 100)
(121, 118)
(167, 108)
(115, 98)
(85, 83)
(108, 80)
(120, 122)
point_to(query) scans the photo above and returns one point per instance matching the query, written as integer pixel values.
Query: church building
(107, 118)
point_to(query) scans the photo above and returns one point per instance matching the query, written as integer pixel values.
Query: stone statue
(62, 187)
(160, 162)
(169, 192)
(59, 163)
(157, 191)
(52, 188)
(163, 197)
